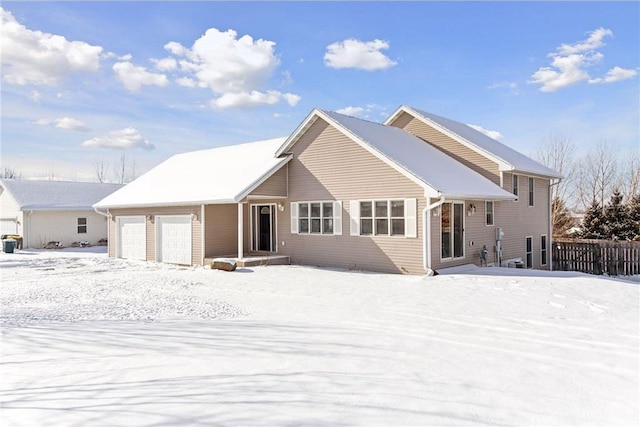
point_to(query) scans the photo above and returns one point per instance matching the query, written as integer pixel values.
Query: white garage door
(8, 226)
(174, 239)
(132, 237)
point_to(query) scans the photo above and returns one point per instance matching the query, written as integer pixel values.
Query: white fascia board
(536, 174)
(240, 196)
(502, 164)
(300, 130)
(169, 204)
(373, 151)
(395, 115)
(489, 197)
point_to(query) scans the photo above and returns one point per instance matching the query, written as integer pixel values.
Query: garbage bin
(16, 237)
(8, 245)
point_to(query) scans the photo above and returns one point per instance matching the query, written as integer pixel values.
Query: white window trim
(546, 249)
(464, 246)
(531, 191)
(515, 189)
(493, 213)
(410, 217)
(85, 225)
(526, 253)
(337, 218)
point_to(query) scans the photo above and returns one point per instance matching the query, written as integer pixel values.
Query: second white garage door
(173, 239)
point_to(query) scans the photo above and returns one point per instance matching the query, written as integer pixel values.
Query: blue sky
(89, 81)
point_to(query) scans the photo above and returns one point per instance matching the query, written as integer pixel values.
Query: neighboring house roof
(218, 175)
(508, 158)
(429, 167)
(56, 195)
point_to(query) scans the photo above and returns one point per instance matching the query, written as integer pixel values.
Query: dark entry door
(264, 242)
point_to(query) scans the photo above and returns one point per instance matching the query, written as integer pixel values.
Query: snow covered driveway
(92, 341)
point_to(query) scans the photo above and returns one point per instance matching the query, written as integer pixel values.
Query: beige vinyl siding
(197, 255)
(274, 186)
(448, 145)
(221, 230)
(518, 219)
(329, 166)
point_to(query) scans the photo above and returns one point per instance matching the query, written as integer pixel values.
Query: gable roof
(507, 158)
(218, 175)
(424, 164)
(56, 195)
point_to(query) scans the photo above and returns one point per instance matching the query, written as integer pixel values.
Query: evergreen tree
(593, 224)
(634, 214)
(618, 224)
(562, 222)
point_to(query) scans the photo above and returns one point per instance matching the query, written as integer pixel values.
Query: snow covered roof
(218, 175)
(506, 157)
(56, 195)
(419, 161)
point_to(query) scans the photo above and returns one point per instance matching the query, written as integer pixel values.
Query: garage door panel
(132, 238)
(174, 239)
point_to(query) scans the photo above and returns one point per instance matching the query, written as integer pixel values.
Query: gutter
(426, 221)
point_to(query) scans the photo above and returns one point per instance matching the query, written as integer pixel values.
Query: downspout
(426, 220)
(28, 236)
(550, 243)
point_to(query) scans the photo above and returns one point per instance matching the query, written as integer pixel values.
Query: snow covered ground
(92, 341)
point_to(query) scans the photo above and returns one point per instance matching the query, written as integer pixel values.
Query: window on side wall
(489, 211)
(316, 217)
(543, 250)
(530, 191)
(515, 184)
(82, 225)
(529, 252)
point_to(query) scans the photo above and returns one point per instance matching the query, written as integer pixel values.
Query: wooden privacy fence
(597, 257)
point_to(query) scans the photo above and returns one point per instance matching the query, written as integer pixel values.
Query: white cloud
(350, 111)
(490, 133)
(165, 64)
(511, 86)
(66, 123)
(234, 69)
(119, 139)
(615, 74)
(35, 57)
(252, 99)
(593, 42)
(352, 53)
(35, 96)
(134, 77)
(569, 62)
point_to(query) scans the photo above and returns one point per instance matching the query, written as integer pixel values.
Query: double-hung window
(529, 252)
(382, 218)
(489, 211)
(515, 184)
(323, 217)
(82, 225)
(393, 217)
(543, 249)
(530, 191)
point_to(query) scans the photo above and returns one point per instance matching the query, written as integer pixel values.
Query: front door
(263, 228)
(264, 241)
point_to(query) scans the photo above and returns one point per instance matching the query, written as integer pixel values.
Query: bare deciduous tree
(557, 153)
(133, 172)
(598, 175)
(629, 179)
(101, 170)
(120, 170)
(10, 173)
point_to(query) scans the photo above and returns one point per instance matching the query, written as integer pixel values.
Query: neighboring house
(413, 195)
(45, 211)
